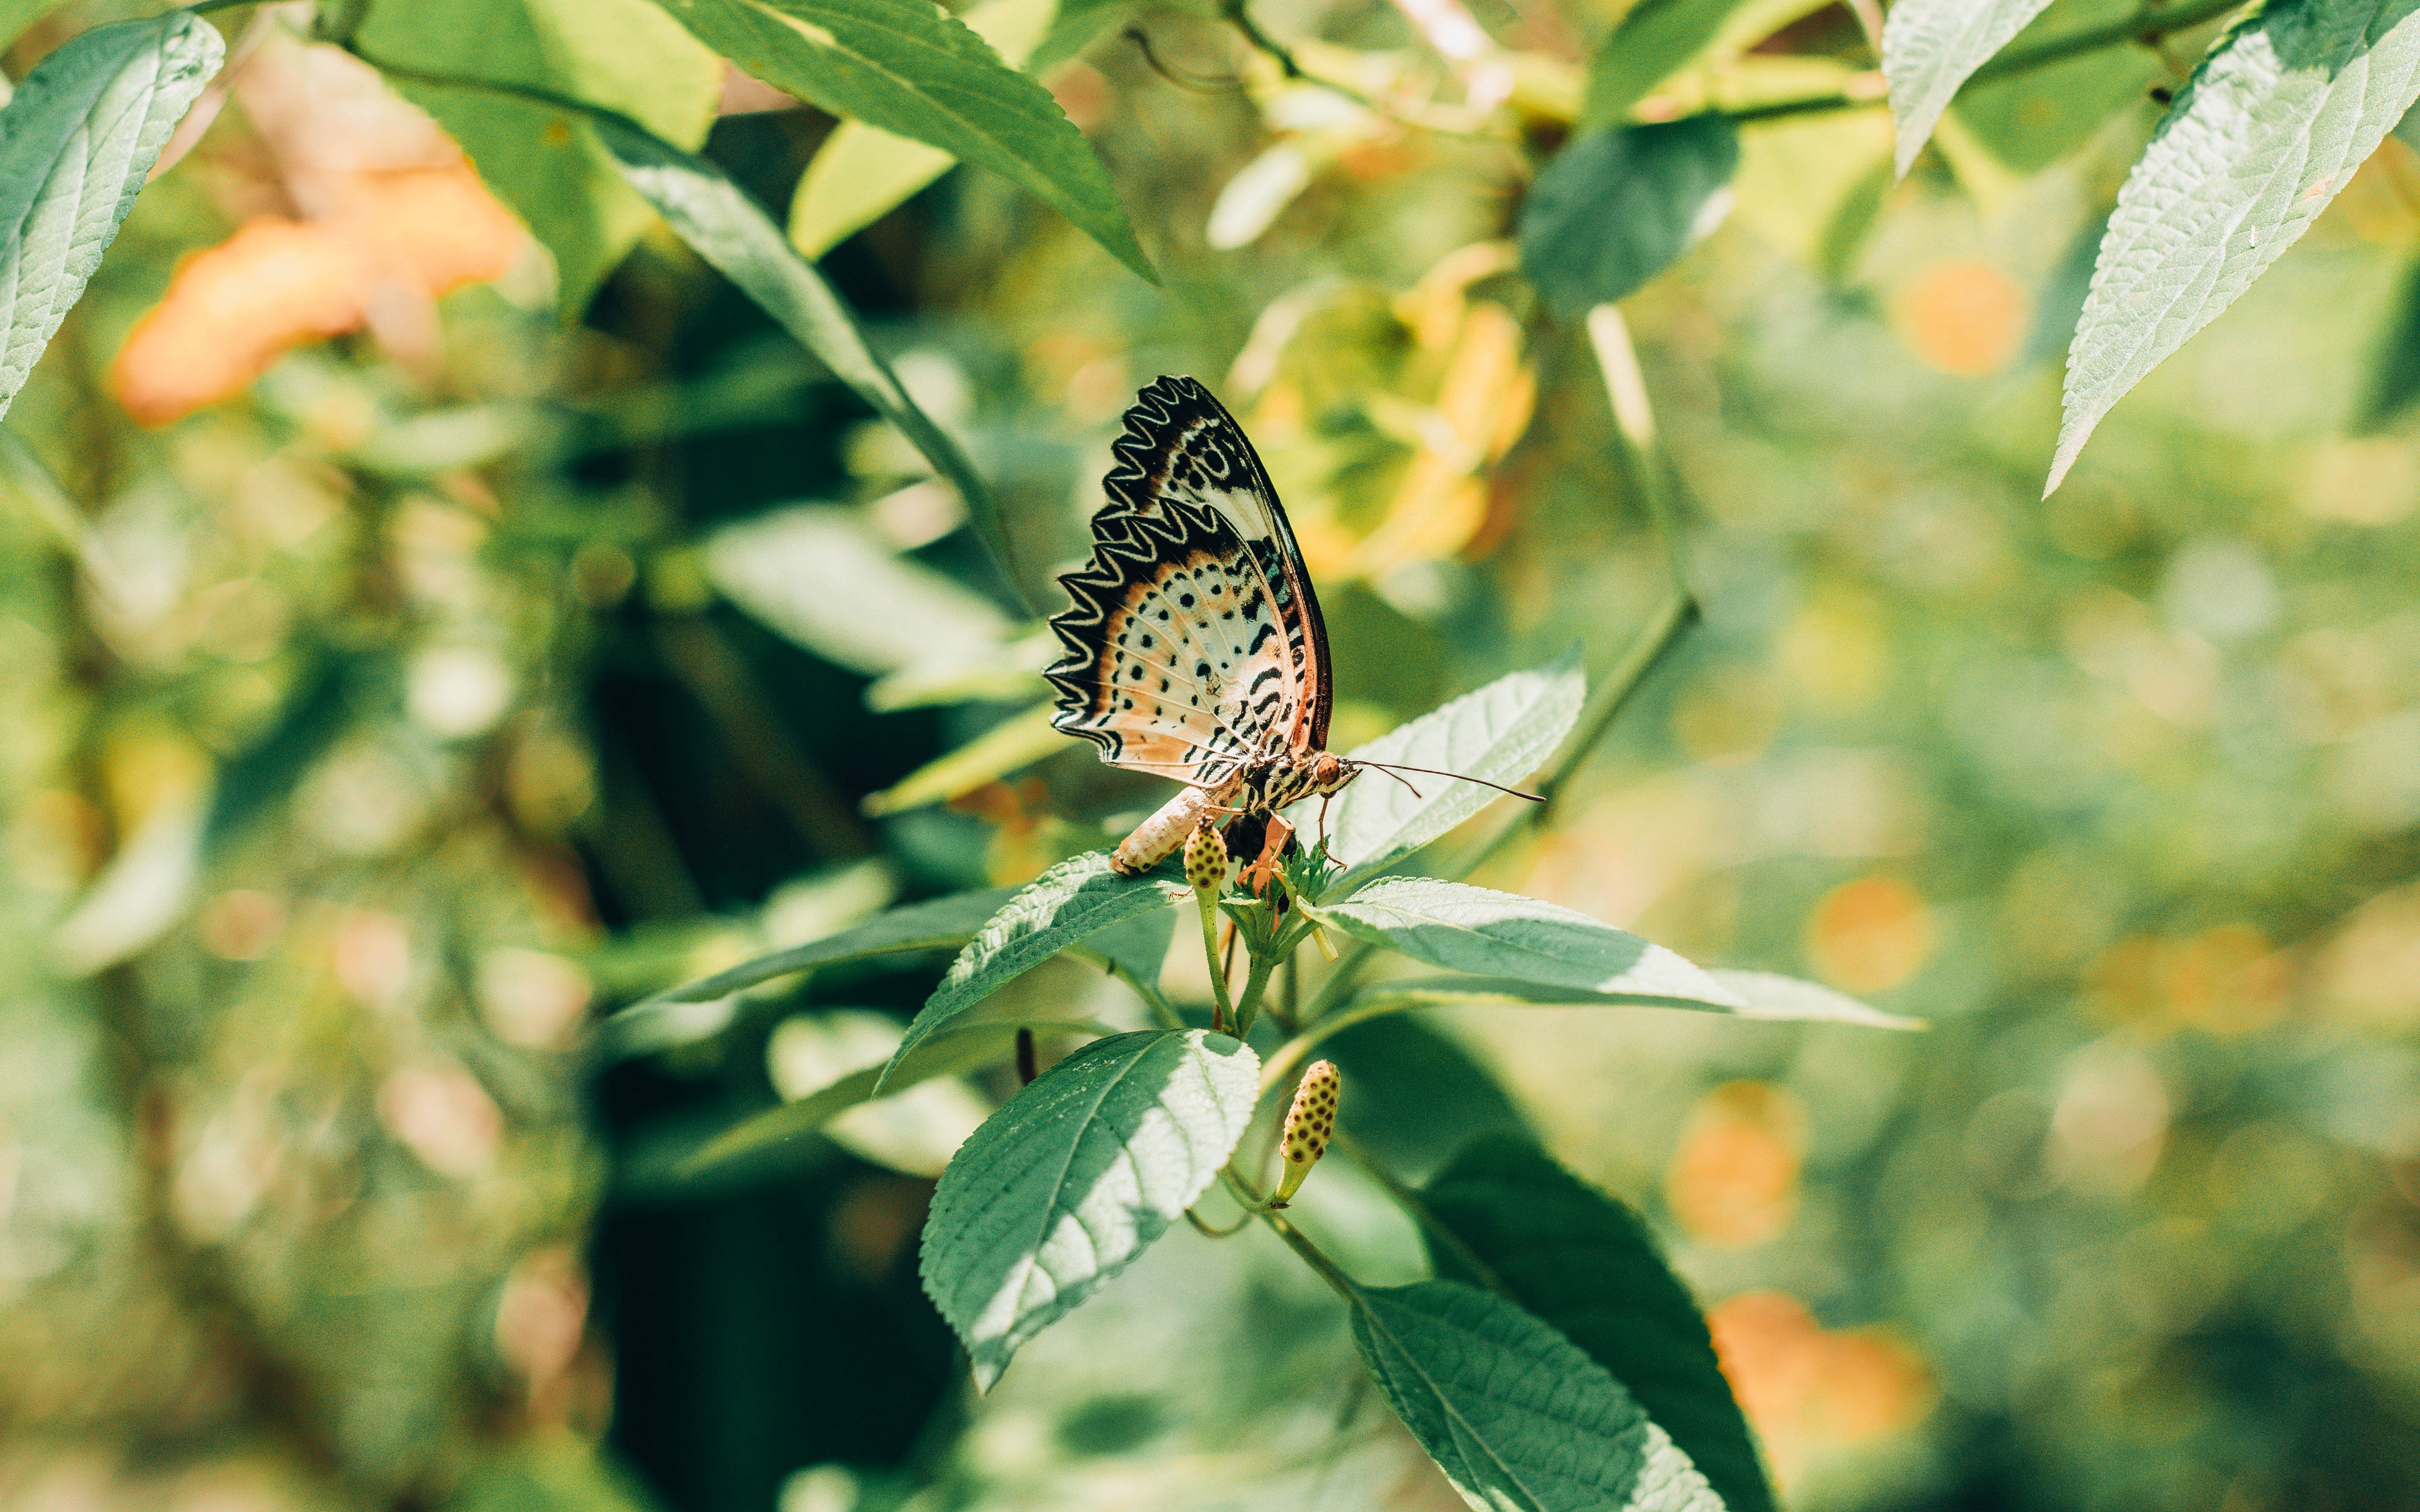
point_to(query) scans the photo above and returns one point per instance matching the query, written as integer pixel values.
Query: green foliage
(1504, 1217)
(1930, 47)
(1074, 899)
(2271, 127)
(621, 55)
(918, 72)
(1616, 207)
(76, 141)
(1652, 39)
(1512, 1411)
(1066, 1185)
(1498, 734)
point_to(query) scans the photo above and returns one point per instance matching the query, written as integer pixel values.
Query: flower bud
(1205, 862)
(1308, 1125)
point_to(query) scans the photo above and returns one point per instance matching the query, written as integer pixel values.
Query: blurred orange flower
(1806, 1388)
(1734, 1180)
(1869, 936)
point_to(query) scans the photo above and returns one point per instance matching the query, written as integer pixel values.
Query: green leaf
(76, 141)
(820, 576)
(913, 70)
(1406, 1077)
(723, 225)
(1930, 46)
(1076, 898)
(660, 1021)
(1478, 930)
(1066, 1185)
(1652, 39)
(2272, 125)
(2032, 118)
(862, 173)
(1501, 732)
(624, 56)
(1506, 1216)
(1615, 208)
(1517, 1417)
(1749, 994)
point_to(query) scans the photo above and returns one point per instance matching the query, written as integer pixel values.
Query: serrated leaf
(1653, 38)
(1076, 898)
(1501, 732)
(1063, 1188)
(1517, 1417)
(2272, 125)
(1616, 207)
(1585, 1263)
(76, 142)
(917, 72)
(862, 173)
(1478, 930)
(1929, 49)
(624, 56)
(723, 225)
(938, 924)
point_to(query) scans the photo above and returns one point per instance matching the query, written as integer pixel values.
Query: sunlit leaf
(1517, 1417)
(624, 56)
(76, 141)
(1501, 732)
(1076, 898)
(1514, 1219)
(1752, 994)
(724, 226)
(1012, 745)
(1615, 208)
(1068, 1184)
(914, 69)
(820, 577)
(1472, 928)
(1930, 46)
(2272, 124)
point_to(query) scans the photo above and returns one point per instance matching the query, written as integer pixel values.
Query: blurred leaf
(266, 772)
(1404, 1080)
(2060, 303)
(1137, 947)
(1751, 995)
(723, 227)
(1472, 929)
(2031, 119)
(862, 173)
(1014, 743)
(1512, 1412)
(16, 15)
(1003, 671)
(2395, 366)
(549, 1472)
(940, 923)
(1501, 732)
(624, 56)
(1071, 30)
(1930, 46)
(146, 888)
(951, 1054)
(1615, 208)
(2272, 124)
(1653, 38)
(1076, 898)
(76, 141)
(1586, 1264)
(1063, 1188)
(912, 68)
(820, 577)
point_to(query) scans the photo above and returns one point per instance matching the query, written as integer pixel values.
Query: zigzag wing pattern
(1174, 660)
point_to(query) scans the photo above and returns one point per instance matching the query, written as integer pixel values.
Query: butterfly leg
(1264, 868)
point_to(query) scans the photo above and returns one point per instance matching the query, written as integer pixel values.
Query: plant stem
(1328, 1270)
(1415, 1207)
(2148, 25)
(1256, 986)
(1226, 1023)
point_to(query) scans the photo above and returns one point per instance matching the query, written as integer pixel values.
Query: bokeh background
(371, 730)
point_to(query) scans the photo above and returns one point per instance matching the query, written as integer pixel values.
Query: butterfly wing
(1194, 645)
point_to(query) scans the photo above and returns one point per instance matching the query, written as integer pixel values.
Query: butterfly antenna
(1397, 776)
(1459, 777)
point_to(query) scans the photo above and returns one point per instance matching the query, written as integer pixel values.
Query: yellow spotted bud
(1308, 1125)
(1205, 862)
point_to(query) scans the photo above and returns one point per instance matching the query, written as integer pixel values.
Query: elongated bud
(1308, 1125)
(1205, 862)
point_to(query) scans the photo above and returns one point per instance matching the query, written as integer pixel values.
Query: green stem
(1415, 1207)
(2149, 25)
(1256, 986)
(1209, 911)
(1328, 1270)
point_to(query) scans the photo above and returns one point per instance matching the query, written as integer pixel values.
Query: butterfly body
(1194, 645)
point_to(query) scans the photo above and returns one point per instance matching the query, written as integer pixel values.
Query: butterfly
(1194, 644)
